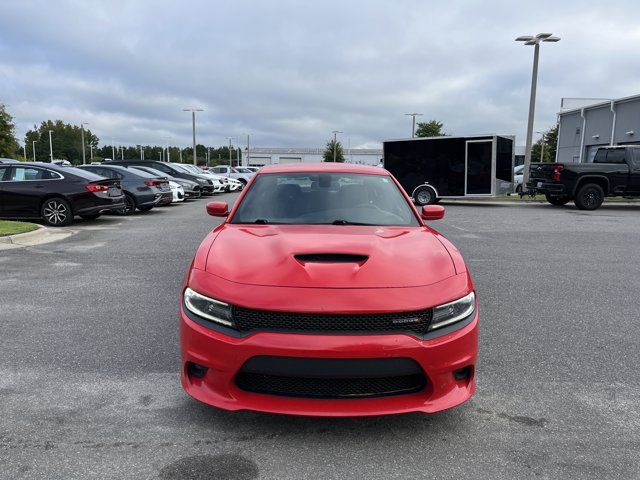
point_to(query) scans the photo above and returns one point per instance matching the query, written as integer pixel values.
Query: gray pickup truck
(615, 171)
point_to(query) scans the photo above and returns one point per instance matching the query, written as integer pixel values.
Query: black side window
(616, 155)
(162, 168)
(4, 172)
(601, 156)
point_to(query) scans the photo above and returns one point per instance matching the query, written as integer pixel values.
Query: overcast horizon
(290, 72)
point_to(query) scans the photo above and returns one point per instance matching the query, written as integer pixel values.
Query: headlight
(453, 312)
(208, 308)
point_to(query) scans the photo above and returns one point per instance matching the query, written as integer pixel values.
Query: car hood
(329, 256)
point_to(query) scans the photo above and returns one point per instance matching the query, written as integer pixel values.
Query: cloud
(290, 72)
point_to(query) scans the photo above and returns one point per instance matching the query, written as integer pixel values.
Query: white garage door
(290, 159)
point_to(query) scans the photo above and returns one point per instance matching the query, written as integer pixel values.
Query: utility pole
(113, 149)
(50, 147)
(180, 154)
(247, 162)
(535, 41)
(230, 160)
(84, 157)
(91, 152)
(335, 144)
(193, 123)
(121, 153)
(34, 150)
(413, 127)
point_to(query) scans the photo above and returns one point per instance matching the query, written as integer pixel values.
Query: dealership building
(604, 123)
(267, 156)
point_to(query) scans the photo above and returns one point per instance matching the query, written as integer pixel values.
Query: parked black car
(191, 189)
(615, 171)
(206, 184)
(54, 193)
(142, 191)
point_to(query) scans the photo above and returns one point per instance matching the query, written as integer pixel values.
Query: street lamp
(84, 157)
(33, 144)
(535, 41)
(230, 161)
(248, 155)
(335, 144)
(113, 149)
(50, 147)
(413, 128)
(193, 121)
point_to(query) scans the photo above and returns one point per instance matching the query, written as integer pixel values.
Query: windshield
(325, 198)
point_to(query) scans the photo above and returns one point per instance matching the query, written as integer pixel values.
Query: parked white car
(178, 192)
(234, 185)
(518, 173)
(227, 171)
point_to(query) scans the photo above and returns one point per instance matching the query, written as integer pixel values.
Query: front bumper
(224, 356)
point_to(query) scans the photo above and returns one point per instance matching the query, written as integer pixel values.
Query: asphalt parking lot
(89, 360)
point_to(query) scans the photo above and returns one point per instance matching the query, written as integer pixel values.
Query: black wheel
(589, 197)
(90, 216)
(243, 182)
(56, 212)
(425, 196)
(129, 205)
(145, 208)
(557, 200)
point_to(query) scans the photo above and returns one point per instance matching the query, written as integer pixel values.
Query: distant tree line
(66, 144)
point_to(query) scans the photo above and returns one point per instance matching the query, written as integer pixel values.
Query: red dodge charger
(324, 292)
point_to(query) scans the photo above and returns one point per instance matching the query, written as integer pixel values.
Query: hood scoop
(331, 258)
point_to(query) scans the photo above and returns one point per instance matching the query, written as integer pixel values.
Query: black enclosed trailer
(452, 167)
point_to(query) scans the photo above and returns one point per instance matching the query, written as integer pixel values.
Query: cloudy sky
(290, 72)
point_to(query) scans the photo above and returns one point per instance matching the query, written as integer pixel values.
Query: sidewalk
(37, 237)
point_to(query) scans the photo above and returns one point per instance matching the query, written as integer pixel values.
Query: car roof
(318, 167)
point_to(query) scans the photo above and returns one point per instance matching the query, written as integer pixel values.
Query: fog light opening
(463, 373)
(195, 370)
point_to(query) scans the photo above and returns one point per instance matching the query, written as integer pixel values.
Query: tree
(328, 154)
(8, 142)
(65, 140)
(432, 128)
(550, 144)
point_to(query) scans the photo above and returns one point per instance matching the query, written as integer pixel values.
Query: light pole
(413, 127)
(335, 143)
(50, 147)
(247, 162)
(113, 149)
(91, 152)
(193, 123)
(230, 161)
(535, 41)
(84, 156)
(33, 144)
(122, 153)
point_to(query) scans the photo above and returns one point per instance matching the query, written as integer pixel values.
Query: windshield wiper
(347, 222)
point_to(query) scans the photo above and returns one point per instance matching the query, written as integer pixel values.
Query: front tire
(589, 197)
(425, 196)
(56, 212)
(557, 200)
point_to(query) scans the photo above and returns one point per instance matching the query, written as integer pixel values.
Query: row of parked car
(56, 193)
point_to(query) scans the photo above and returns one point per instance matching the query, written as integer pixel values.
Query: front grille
(329, 387)
(247, 320)
(330, 378)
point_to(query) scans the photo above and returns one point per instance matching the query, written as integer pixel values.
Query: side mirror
(432, 212)
(218, 209)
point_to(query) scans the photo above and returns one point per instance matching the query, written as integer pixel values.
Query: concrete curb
(36, 237)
